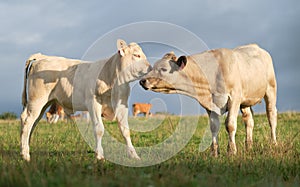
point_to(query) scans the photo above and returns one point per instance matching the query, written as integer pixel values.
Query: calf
(101, 87)
(221, 80)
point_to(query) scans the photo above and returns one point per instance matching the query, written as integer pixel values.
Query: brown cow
(54, 113)
(143, 108)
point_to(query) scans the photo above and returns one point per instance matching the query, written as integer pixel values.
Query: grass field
(60, 157)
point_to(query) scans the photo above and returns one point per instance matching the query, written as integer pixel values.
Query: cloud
(21, 39)
(68, 28)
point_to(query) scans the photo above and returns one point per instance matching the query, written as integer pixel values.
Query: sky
(70, 28)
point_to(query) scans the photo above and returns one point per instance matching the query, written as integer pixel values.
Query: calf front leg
(122, 117)
(214, 128)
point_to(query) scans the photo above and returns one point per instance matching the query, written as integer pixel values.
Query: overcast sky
(69, 28)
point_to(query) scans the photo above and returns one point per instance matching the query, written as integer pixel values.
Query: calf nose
(142, 82)
(149, 68)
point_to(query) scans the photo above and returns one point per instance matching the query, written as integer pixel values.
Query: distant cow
(102, 88)
(143, 108)
(83, 115)
(76, 116)
(221, 80)
(55, 113)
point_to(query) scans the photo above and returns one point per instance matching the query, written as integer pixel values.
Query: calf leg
(231, 125)
(62, 116)
(95, 113)
(99, 132)
(247, 115)
(55, 118)
(30, 116)
(122, 117)
(214, 128)
(26, 125)
(270, 99)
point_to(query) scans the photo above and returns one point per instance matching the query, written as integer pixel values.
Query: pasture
(60, 157)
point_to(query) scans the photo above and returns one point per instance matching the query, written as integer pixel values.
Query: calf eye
(164, 69)
(137, 55)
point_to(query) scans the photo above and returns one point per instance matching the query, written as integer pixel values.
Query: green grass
(60, 157)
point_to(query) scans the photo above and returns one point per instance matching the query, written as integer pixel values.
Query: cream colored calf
(101, 87)
(221, 80)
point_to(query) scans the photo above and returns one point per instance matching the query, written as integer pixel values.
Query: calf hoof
(132, 153)
(214, 150)
(231, 153)
(99, 157)
(214, 154)
(26, 157)
(231, 149)
(248, 145)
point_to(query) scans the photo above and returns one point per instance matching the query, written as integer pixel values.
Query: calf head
(167, 75)
(133, 62)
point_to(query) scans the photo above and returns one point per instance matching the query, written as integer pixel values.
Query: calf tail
(26, 72)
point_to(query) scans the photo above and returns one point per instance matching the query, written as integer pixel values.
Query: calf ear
(171, 55)
(121, 44)
(181, 62)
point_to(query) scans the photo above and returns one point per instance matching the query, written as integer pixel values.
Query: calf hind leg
(231, 126)
(29, 119)
(271, 110)
(247, 115)
(95, 111)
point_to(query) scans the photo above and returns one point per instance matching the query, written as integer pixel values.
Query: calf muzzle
(143, 83)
